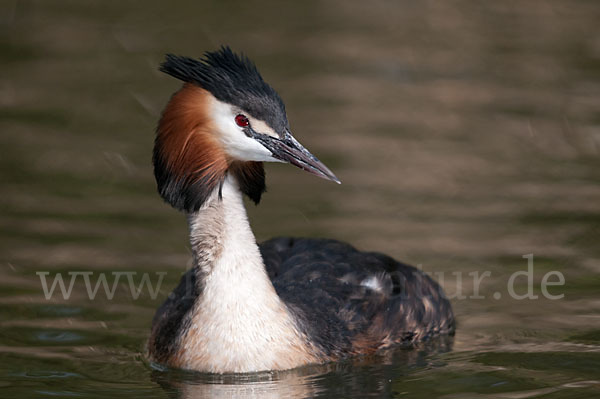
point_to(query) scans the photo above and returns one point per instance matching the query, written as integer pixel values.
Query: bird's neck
(223, 244)
(220, 235)
(238, 322)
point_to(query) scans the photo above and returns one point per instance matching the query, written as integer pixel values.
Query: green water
(466, 135)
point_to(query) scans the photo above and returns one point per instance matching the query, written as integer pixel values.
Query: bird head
(224, 120)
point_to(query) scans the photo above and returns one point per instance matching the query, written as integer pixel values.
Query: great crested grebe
(284, 303)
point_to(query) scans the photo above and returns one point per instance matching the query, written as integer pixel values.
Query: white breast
(239, 324)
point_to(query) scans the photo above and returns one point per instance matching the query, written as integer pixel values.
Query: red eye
(242, 120)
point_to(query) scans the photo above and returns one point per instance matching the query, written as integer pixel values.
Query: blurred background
(466, 135)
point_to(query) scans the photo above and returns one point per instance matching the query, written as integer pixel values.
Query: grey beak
(288, 149)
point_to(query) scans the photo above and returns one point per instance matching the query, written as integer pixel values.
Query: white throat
(221, 237)
(238, 323)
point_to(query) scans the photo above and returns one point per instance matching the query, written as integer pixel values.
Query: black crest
(233, 79)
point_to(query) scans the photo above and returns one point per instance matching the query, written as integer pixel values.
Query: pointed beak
(289, 150)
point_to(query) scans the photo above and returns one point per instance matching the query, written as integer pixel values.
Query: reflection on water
(466, 135)
(355, 378)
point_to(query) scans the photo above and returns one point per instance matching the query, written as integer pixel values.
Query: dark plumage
(172, 318)
(251, 178)
(349, 300)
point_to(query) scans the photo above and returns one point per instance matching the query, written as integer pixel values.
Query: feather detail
(189, 162)
(251, 178)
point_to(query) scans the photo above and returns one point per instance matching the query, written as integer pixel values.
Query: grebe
(287, 302)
